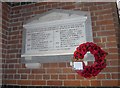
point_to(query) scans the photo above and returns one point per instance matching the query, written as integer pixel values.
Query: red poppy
(99, 63)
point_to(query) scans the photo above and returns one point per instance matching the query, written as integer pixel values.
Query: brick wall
(119, 27)
(5, 32)
(105, 32)
(0, 44)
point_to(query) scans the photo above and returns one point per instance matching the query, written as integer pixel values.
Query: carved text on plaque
(62, 38)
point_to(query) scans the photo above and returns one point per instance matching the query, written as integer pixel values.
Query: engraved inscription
(55, 37)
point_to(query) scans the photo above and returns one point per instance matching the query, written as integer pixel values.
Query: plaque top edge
(57, 11)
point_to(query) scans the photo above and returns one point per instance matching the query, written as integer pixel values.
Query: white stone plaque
(56, 39)
(56, 34)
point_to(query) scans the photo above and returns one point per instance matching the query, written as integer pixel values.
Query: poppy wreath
(99, 55)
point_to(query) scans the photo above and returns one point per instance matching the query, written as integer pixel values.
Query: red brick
(10, 76)
(16, 24)
(11, 66)
(4, 76)
(68, 65)
(95, 83)
(16, 16)
(39, 12)
(114, 62)
(46, 77)
(93, 8)
(102, 12)
(72, 83)
(23, 82)
(113, 50)
(43, 7)
(102, 45)
(68, 70)
(53, 65)
(10, 81)
(17, 8)
(38, 71)
(88, 4)
(4, 65)
(94, 34)
(55, 5)
(31, 76)
(16, 11)
(104, 39)
(110, 83)
(94, 18)
(85, 9)
(13, 46)
(54, 76)
(41, 3)
(15, 33)
(5, 6)
(97, 39)
(28, 6)
(105, 33)
(107, 6)
(27, 71)
(85, 83)
(115, 75)
(62, 64)
(38, 82)
(69, 3)
(27, 14)
(5, 17)
(79, 77)
(12, 61)
(111, 44)
(111, 38)
(70, 76)
(62, 77)
(23, 76)
(38, 77)
(46, 6)
(101, 76)
(14, 37)
(21, 19)
(17, 66)
(110, 69)
(13, 51)
(109, 16)
(10, 71)
(108, 76)
(99, 7)
(69, 7)
(54, 83)
(112, 56)
(53, 70)
(46, 65)
(18, 55)
(93, 23)
(19, 46)
(17, 76)
(104, 22)
(61, 4)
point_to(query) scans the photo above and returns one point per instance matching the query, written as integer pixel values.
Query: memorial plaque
(60, 35)
(54, 39)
